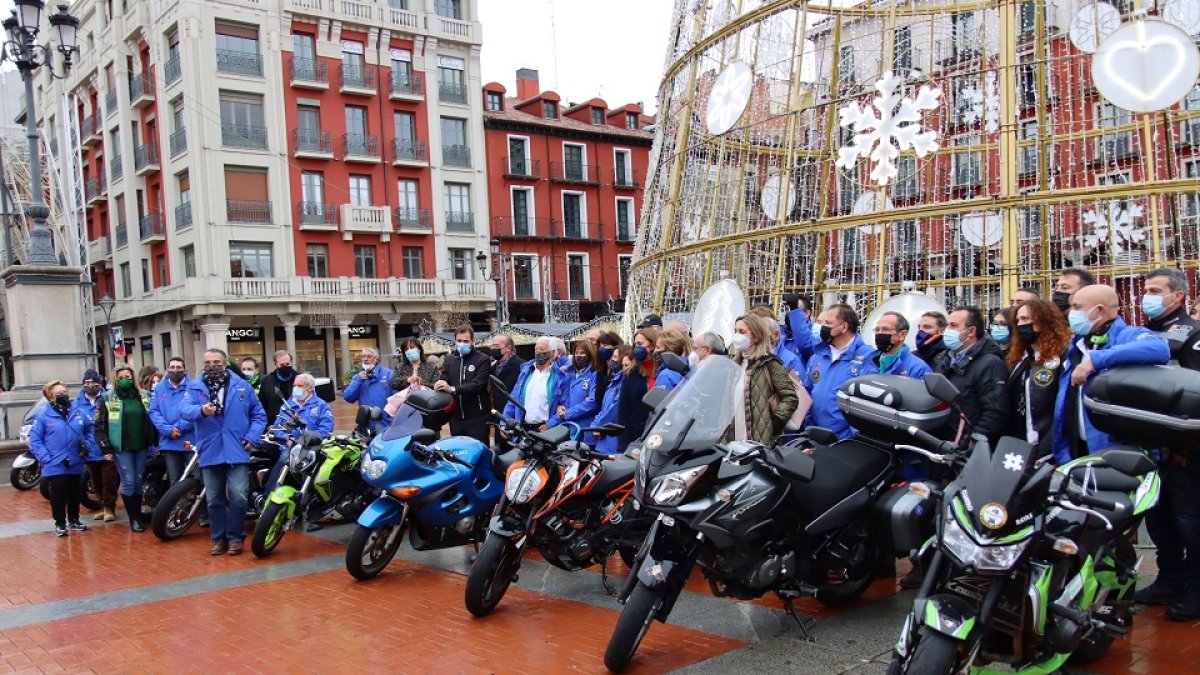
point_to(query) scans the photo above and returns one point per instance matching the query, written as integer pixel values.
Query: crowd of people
(1021, 372)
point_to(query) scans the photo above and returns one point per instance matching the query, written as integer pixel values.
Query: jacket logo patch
(1179, 329)
(1043, 378)
(471, 369)
(584, 386)
(816, 375)
(1051, 363)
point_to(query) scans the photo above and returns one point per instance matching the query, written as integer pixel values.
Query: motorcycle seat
(502, 462)
(617, 471)
(1110, 479)
(791, 462)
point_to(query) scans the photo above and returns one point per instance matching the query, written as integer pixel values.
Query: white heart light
(1146, 65)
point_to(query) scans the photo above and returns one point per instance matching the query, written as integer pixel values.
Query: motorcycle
(181, 505)
(793, 520)
(26, 471)
(1033, 565)
(440, 491)
(321, 480)
(565, 498)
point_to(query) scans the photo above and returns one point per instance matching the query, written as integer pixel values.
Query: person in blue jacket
(840, 355)
(165, 412)
(308, 408)
(105, 479)
(539, 388)
(608, 406)
(796, 327)
(59, 440)
(229, 420)
(678, 343)
(580, 391)
(893, 356)
(1103, 341)
(781, 346)
(371, 386)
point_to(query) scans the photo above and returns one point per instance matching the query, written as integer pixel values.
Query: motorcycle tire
(844, 592)
(491, 574)
(88, 498)
(25, 477)
(1092, 648)
(372, 542)
(640, 608)
(935, 654)
(269, 529)
(170, 520)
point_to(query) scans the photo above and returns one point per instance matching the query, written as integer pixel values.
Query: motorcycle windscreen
(406, 422)
(995, 478)
(699, 410)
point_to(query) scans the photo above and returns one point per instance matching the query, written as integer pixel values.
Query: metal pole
(108, 365)
(41, 246)
(7, 212)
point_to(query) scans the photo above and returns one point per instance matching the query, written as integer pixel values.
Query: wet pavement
(109, 600)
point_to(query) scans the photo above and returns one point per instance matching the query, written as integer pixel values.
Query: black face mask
(62, 401)
(541, 357)
(176, 376)
(883, 342)
(1061, 300)
(582, 362)
(827, 335)
(285, 372)
(1028, 335)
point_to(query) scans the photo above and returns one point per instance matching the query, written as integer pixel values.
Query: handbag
(397, 399)
(796, 421)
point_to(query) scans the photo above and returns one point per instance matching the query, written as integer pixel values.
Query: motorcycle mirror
(424, 436)
(1037, 480)
(654, 397)
(498, 385)
(613, 429)
(673, 362)
(376, 413)
(363, 416)
(279, 393)
(1128, 462)
(940, 387)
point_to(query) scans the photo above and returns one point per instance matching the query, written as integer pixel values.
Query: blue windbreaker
(579, 397)
(166, 412)
(219, 437)
(667, 379)
(314, 412)
(824, 376)
(797, 336)
(608, 413)
(373, 391)
(556, 386)
(61, 444)
(907, 364)
(95, 454)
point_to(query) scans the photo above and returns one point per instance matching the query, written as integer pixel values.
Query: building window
(631, 121)
(1026, 17)
(902, 51)
(246, 195)
(189, 261)
(572, 211)
(318, 260)
(1029, 153)
(624, 263)
(518, 156)
(1191, 207)
(907, 242)
(967, 165)
(577, 275)
(451, 87)
(597, 116)
(851, 242)
(360, 190)
(250, 259)
(965, 32)
(495, 101)
(304, 49)
(160, 268)
(846, 65)
(1115, 145)
(308, 135)
(458, 207)
(847, 191)
(243, 124)
(451, 9)
(237, 49)
(906, 177)
(409, 204)
(624, 219)
(352, 63)
(461, 264)
(402, 79)
(550, 110)
(126, 281)
(623, 172)
(364, 261)
(405, 124)
(1027, 78)
(573, 162)
(411, 258)
(312, 206)
(455, 151)
(524, 276)
(146, 285)
(522, 201)
(356, 130)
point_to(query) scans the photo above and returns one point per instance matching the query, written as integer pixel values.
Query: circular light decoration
(718, 309)
(1183, 13)
(1146, 65)
(1091, 24)
(772, 189)
(728, 98)
(911, 305)
(993, 516)
(981, 230)
(870, 202)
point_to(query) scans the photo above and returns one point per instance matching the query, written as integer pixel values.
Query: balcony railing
(572, 229)
(317, 213)
(408, 84)
(519, 166)
(360, 146)
(151, 227)
(625, 232)
(99, 250)
(367, 219)
(178, 142)
(356, 79)
(409, 151)
(96, 188)
(172, 69)
(145, 158)
(110, 102)
(309, 73)
(239, 63)
(141, 90)
(91, 129)
(409, 218)
(452, 92)
(183, 215)
(527, 226)
(312, 142)
(256, 289)
(115, 168)
(247, 211)
(456, 155)
(573, 172)
(460, 221)
(122, 235)
(244, 136)
(626, 179)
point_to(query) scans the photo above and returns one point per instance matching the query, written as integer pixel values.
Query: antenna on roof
(554, 44)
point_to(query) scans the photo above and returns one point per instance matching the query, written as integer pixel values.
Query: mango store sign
(243, 334)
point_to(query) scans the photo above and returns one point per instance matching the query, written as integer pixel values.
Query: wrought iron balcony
(178, 142)
(247, 211)
(115, 168)
(460, 221)
(356, 80)
(309, 73)
(407, 85)
(183, 215)
(452, 92)
(91, 130)
(95, 189)
(629, 179)
(122, 235)
(408, 218)
(360, 147)
(456, 155)
(519, 166)
(317, 213)
(404, 150)
(172, 69)
(244, 136)
(152, 228)
(625, 232)
(574, 172)
(110, 102)
(141, 90)
(312, 143)
(145, 159)
(523, 227)
(239, 63)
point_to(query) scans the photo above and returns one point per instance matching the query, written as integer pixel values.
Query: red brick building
(565, 185)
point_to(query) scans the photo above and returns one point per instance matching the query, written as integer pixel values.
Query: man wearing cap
(103, 471)
(650, 320)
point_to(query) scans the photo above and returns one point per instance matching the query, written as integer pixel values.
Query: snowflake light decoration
(1116, 223)
(983, 104)
(891, 123)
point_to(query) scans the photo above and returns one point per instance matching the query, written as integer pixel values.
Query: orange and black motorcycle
(568, 500)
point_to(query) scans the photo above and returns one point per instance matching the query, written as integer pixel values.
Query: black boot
(133, 506)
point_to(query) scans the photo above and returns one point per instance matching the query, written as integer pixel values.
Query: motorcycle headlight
(522, 483)
(670, 489)
(986, 557)
(372, 468)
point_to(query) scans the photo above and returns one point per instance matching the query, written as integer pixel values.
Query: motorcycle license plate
(1009, 608)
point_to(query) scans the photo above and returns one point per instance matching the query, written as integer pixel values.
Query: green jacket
(110, 428)
(768, 379)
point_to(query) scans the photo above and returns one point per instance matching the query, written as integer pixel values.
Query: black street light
(21, 31)
(106, 305)
(498, 272)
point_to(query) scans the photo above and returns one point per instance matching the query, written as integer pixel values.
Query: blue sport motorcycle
(442, 491)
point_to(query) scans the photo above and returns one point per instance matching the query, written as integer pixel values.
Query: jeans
(64, 498)
(227, 487)
(105, 480)
(1174, 524)
(176, 464)
(131, 464)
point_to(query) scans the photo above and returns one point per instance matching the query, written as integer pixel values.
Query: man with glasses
(465, 374)
(371, 385)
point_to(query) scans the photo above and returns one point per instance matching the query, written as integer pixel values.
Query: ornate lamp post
(106, 305)
(497, 272)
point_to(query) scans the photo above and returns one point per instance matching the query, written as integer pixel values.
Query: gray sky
(613, 49)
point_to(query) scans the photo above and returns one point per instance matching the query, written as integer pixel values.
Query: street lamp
(498, 273)
(106, 305)
(21, 47)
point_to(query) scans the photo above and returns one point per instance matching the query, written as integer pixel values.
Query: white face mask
(368, 367)
(693, 359)
(741, 342)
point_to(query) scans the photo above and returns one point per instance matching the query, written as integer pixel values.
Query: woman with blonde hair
(764, 398)
(58, 439)
(148, 377)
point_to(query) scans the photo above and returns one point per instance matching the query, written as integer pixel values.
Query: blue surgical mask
(413, 355)
(1079, 322)
(1000, 333)
(463, 348)
(640, 353)
(816, 331)
(952, 338)
(1152, 305)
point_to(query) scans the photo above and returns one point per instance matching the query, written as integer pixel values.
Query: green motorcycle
(320, 481)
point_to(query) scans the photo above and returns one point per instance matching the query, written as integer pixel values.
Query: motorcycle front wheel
(491, 574)
(174, 514)
(935, 654)
(371, 549)
(25, 477)
(269, 529)
(643, 603)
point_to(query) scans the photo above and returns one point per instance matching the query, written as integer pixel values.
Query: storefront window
(310, 350)
(245, 342)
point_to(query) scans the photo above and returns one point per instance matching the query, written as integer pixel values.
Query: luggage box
(882, 407)
(905, 519)
(1147, 406)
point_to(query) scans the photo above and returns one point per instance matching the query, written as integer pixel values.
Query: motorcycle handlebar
(1090, 500)
(928, 439)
